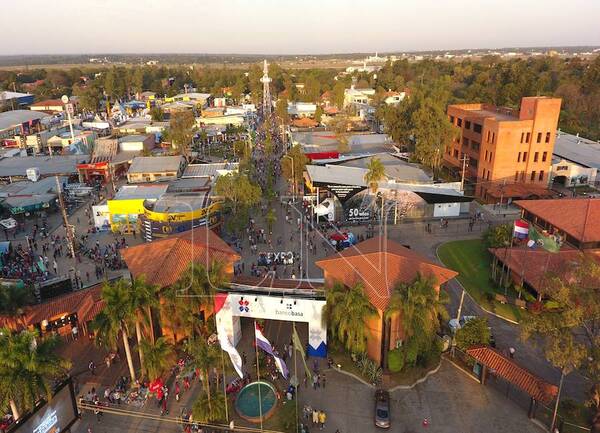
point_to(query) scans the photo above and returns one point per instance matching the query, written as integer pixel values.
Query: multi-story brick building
(508, 152)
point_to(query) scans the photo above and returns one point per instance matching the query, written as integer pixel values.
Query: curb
(397, 387)
(471, 297)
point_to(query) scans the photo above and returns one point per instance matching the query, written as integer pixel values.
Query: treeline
(491, 80)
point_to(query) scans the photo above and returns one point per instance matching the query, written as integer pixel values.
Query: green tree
(190, 295)
(281, 109)
(209, 408)
(89, 96)
(117, 315)
(28, 367)
(568, 328)
(237, 191)
(159, 357)
(337, 94)
(181, 131)
(319, 114)
(204, 356)
(142, 298)
(346, 310)
(13, 299)
(271, 219)
(157, 114)
(420, 307)
(375, 173)
(498, 236)
(475, 331)
(293, 164)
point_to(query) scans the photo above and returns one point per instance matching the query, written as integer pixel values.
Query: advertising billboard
(56, 416)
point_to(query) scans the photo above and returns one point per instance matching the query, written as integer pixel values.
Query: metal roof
(133, 138)
(206, 170)
(395, 168)
(47, 165)
(11, 119)
(144, 191)
(326, 141)
(153, 164)
(26, 187)
(186, 202)
(576, 149)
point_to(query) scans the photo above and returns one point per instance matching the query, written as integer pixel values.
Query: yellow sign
(181, 216)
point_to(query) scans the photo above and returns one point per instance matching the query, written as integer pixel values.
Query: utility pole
(68, 229)
(464, 160)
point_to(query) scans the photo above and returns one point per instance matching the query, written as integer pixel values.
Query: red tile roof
(532, 265)
(48, 103)
(509, 370)
(379, 264)
(304, 122)
(569, 215)
(519, 191)
(163, 261)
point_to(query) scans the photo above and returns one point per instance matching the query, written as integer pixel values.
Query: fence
(542, 413)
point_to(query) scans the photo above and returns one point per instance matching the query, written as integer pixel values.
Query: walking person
(315, 417)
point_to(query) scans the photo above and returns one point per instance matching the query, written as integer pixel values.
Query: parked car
(382, 409)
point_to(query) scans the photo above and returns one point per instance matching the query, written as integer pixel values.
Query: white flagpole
(258, 380)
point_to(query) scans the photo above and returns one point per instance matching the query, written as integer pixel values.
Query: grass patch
(407, 376)
(471, 259)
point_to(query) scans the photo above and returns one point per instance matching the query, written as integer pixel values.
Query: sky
(291, 26)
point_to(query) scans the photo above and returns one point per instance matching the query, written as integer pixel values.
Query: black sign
(342, 192)
(356, 214)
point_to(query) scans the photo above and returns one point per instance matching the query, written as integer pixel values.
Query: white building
(302, 109)
(575, 160)
(357, 96)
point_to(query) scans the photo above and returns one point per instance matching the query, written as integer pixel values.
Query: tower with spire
(266, 90)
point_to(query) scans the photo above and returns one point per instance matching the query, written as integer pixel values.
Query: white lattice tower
(266, 90)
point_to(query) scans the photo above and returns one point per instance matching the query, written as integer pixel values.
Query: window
(473, 162)
(488, 137)
(528, 137)
(465, 142)
(488, 175)
(474, 145)
(477, 128)
(541, 175)
(532, 175)
(452, 119)
(544, 156)
(547, 137)
(467, 124)
(486, 155)
(516, 175)
(539, 137)
(458, 121)
(491, 155)
(522, 176)
(455, 153)
(524, 156)
(522, 136)
(493, 137)
(535, 156)
(519, 157)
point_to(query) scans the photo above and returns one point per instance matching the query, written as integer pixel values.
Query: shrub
(475, 331)
(395, 360)
(498, 236)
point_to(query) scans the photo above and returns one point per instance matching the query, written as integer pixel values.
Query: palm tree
(27, 369)
(375, 174)
(117, 314)
(13, 299)
(192, 293)
(142, 298)
(204, 356)
(158, 356)
(346, 311)
(421, 307)
(209, 408)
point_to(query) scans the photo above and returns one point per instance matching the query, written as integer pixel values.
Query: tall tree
(297, 159)
(281, 108)
(375, 174)
(159, 357)
(142, 298)
(181, 131)
(117, 314)
(346, 310)
(28, 367)
(237, 191)
(203, 356)
(568, 328)
(13, 299)
(420, 307)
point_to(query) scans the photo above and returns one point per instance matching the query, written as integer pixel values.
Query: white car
(455, 324)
